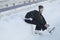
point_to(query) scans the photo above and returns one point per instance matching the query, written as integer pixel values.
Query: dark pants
(38, 25)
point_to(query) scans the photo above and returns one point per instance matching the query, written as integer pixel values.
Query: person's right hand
(47, 25)
(29, 19)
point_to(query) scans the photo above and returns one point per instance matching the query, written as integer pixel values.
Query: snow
(13, 27)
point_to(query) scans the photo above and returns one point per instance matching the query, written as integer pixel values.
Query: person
(35, 17)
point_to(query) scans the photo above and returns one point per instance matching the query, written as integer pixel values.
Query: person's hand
(47, 25)
(29, 19)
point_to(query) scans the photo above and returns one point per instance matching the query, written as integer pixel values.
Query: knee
(44, 28)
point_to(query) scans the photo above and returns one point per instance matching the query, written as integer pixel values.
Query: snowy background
(13, 27)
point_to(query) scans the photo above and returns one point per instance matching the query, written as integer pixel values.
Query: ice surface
(14, 28)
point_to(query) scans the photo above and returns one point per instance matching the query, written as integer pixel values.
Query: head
(41, 8)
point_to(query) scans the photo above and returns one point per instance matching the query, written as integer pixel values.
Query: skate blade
(52, 30)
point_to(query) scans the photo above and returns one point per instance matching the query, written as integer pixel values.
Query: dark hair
(40, 7)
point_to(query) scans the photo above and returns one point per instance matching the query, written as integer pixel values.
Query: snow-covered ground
(13, 27)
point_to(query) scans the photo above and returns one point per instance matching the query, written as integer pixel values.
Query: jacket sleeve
(29, 15)
(44, 21)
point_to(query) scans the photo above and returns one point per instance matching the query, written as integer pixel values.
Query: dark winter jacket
(37, 17)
